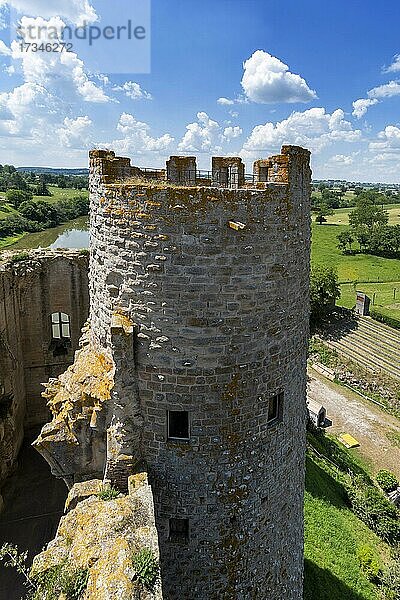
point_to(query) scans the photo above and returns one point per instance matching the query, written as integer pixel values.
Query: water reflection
(74, 234)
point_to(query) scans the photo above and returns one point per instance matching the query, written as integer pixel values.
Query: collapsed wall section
(33, 287)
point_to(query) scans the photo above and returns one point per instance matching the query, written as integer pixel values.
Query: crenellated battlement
(226, 172)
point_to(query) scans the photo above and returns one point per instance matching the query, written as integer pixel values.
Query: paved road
(31, 491)
(366, 422)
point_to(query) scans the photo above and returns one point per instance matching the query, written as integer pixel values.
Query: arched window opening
(61, 326)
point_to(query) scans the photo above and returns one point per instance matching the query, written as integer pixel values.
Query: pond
(74, 234)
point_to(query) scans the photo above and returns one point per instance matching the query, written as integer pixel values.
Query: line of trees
(370, 230)
(329, 199)
(11, 179)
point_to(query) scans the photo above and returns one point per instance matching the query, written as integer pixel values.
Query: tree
(323, 211)
(15, 181)
(40, 212)
(62, 182)
(331, 198)
(368, 214)
(17, 197)
(324, 291)
(345, 241)
(41, 188)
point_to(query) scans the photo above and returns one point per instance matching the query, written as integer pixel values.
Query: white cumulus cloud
(395, 66)
(203, 136)
(137, 139)
(231, 133)
(342, 159)
(74, 11)
(26, 109)
(62, 73)
(134, 91)
(385, 91)
(74, 132)
(267, 80)
(389, 140)
(314, 129)
(361, 106)
(207, 135)
(225, 101)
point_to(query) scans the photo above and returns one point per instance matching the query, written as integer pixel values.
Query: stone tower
(200, 306)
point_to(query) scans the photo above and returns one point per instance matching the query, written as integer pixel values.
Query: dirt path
(352, 414)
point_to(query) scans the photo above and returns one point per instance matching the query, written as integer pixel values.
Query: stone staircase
(370, 344)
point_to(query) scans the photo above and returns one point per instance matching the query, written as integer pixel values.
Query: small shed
(362, 304)
(317, 413)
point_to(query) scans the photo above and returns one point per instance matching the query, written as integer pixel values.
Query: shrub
(63, 580)
(368, 563)
(108, 493)
(391, 580)
(19, 258)
(387, 481)
(372, 507)
(17, 197)
(146, 567)
(391, 321)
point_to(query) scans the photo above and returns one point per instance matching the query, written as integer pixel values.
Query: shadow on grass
(321, 584)
(322, 485)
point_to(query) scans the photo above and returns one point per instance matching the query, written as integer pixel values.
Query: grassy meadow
(341, 215)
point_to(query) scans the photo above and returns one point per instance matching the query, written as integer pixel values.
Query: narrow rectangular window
(178, 530)
(178, 425)
(275, 408)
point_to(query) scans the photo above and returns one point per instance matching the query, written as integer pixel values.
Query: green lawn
(359, 267)
(332, 536)
(61, 194)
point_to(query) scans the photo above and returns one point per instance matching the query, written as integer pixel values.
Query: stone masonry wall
(30, 291)
(219, 317)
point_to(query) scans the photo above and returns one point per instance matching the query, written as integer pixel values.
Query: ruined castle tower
(199, 310)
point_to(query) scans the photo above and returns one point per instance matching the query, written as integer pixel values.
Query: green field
(61, 194)
(367, 273)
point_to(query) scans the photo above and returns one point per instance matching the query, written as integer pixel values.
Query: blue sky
(238, 77)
